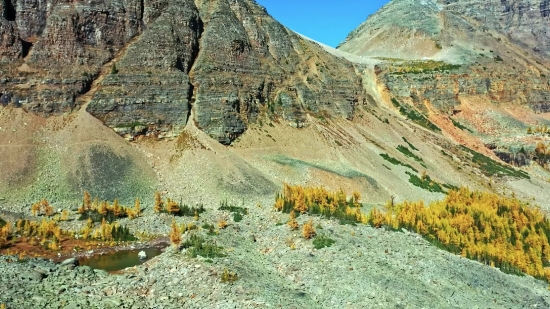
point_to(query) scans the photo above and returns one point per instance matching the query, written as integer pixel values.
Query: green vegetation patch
(122, 233)
(198, 246)
(2, 223)
(322, 241)
(210, 228)
(460, 126)
(425, 182)
(490, 167)
(96, 217)
(342, 170)
(404, 150)
(238, 212)
(394, 161)
(415, 116)
(410, 145)
(187, 211)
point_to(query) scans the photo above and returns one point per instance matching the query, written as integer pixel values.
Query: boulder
(69, 262)
(142, 255)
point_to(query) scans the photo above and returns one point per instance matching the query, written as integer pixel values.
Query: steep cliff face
(442, 89)
(224, 62)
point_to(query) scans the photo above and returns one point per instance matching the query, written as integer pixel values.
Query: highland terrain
(213, 103)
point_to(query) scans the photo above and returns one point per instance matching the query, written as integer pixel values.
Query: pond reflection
(118, 260)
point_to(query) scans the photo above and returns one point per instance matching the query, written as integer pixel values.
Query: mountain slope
(478, 70)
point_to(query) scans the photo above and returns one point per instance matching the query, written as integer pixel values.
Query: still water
(115, 261)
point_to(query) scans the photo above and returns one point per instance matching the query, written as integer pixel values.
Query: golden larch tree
(292, 223)
(308, 231)
(175, 235)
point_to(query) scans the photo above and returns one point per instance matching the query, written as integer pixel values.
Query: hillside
(211, 101)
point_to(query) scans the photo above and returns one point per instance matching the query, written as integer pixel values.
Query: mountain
(215, 102)
(478, 69)
(225, 61)
(426, 28)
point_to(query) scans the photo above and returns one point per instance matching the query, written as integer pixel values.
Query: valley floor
(277, 268)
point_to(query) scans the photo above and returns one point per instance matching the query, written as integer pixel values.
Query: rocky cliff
(148, 66)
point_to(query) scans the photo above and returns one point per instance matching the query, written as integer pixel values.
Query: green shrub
(114, 69)
(322, 241)
(237, 212)
(410, 145)
(490, 167)
(425, 183)
(460, 126)
(197, 246)
(394, 161)
(404, 150)
(415, 116)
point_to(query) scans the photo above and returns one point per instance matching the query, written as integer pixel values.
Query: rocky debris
(393, 269)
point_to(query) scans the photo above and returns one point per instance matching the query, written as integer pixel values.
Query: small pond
(118, 260)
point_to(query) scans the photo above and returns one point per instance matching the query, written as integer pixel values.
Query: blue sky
(326, 21)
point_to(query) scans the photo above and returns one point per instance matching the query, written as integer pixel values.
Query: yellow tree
(172, 207)
(292, 222)
(158, 202)
(102, 208)
(309, 231)
(5, 233)
(48, 209)
(222, 224)
(137, 207)
(86, 201)
(175, 234)
(35, 209)
(117, 210)
(64, 215)
(356, 197)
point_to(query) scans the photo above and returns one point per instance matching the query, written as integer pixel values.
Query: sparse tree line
(172, 207)
(498, 231)
(97, 211)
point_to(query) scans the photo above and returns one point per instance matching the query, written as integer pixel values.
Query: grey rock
(69, 262)
(32, 276)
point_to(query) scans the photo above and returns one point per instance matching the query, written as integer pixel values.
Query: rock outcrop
(226, 63)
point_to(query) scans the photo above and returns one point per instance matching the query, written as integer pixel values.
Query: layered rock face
(525, 22)
(223, 62)
(50, 51)
(443, 89)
